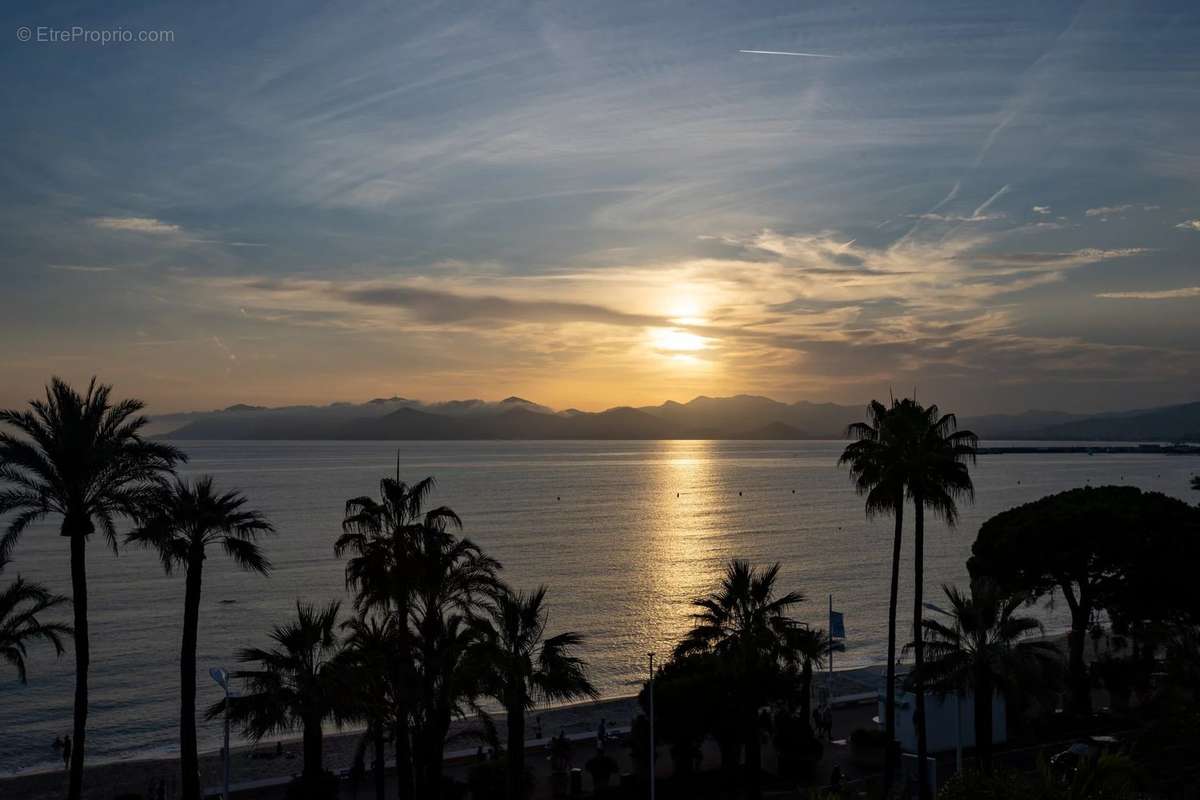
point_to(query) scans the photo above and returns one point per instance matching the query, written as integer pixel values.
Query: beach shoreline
(254, 763)
(257, 764)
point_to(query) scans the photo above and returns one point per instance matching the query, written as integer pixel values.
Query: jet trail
(786, 53)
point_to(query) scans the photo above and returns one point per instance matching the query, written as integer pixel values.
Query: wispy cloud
(1163, 294)
(1043, 210)
(135, 225)
(1107, 211)
(78, 268)
(1189, 225)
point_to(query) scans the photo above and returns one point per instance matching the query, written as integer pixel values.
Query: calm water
(641, 529)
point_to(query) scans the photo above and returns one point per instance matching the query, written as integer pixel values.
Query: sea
(624, 535)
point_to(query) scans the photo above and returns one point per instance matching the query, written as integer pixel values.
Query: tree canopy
(1116, 548)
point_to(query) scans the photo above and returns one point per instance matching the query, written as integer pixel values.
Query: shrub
(975, 785)
(869, 737)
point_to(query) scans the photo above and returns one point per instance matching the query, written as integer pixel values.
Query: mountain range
(739, 417)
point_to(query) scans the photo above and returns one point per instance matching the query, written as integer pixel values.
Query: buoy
(558, 497)
(739, 494)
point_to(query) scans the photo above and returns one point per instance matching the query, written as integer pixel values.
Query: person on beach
(66, 748)
(827, 722)
(601, 734)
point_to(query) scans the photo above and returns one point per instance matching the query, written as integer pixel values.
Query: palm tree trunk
(403, 745)
(516, 750)
(1080, 692)
(983, 720)
(380, 781)
(806, 677)
(753, 758)
(189, 760)
(82, 658)
(313, 749)
(919, 642)
(889, 714)
(435, 756)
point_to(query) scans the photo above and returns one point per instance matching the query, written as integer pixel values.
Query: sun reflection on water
(681, 559)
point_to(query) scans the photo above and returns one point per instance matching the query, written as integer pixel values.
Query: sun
(674, 340)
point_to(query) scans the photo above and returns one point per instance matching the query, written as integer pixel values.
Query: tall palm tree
(381, 535)
(21, 602)
(528, 667)
(804, 650)
(82, 458)
(745, 625)
(184, 519)
(933, 457)
(450, 676)
(370, 651)
(987, 650)
(875, 459)
(299, 683)
(452, 578)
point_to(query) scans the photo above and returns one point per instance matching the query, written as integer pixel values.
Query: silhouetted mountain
(775, 431)
(740, 417)
(1170, 424)
(746, 412)
(1025, 425)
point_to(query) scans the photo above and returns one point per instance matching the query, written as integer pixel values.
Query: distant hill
(738, 417)
(1170, 424)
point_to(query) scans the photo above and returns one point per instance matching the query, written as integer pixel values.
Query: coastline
(256, 765)
(139, 774)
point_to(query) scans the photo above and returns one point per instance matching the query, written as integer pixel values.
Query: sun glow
(686, 311)
(674, 340)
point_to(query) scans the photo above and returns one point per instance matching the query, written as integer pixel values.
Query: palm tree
(81, 458)
(299, 683)
(450, 675)
(182, 522)
(874, 459)
(985, 651)
(932, 457)
(804, 650)
(370, 651)
(381, 535)
(451, 579)
(20, 604)
(745, 625)
(527, 668)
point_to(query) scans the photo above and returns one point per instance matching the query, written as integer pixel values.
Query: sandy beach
(259, 764)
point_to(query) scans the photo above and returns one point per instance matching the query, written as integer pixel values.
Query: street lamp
(957, 693)
(221, 677)
(651, 655)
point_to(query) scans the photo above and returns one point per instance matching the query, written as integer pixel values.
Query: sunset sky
(599, 203)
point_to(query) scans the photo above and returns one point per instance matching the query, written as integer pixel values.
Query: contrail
(786, 53)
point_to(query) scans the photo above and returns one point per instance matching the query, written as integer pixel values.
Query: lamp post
(957, 693)
(221, 677)
(651, 655)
